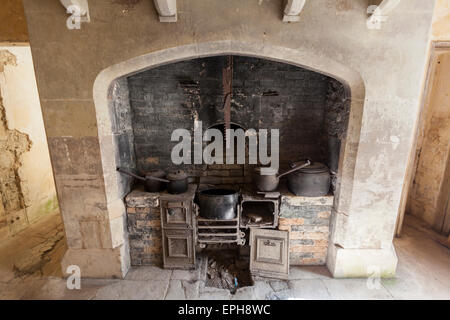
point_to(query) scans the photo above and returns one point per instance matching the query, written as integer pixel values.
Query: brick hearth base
(306, 218)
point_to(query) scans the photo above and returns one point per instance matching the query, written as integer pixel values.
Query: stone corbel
(78, 9)
(292, 10)
(380, 13)
(167, 10)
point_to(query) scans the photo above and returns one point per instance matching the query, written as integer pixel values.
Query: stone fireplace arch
(308, 58)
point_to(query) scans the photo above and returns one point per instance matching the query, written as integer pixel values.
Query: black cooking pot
(154, 180)
(269, 182)
(311, 181)
(177, 181)
(218, 204)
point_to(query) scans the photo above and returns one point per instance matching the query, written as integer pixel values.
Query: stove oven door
(176, 214)
(269, 253)
(178, 248)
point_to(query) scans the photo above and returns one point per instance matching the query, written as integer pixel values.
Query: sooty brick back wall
(266, 95)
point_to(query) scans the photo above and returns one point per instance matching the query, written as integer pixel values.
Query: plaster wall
(384, 69)
(433, 152)
(28, 190)
(441, 21)
(428, 194)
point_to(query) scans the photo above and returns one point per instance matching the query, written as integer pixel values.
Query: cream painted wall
(441, 21)
(23, 113)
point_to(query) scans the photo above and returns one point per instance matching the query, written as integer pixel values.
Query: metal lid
(314, 167)
(177, 175)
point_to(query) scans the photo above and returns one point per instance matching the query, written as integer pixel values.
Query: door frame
(436, 49)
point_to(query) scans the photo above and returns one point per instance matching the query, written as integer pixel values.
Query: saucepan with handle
(269, 182)
(176, 182)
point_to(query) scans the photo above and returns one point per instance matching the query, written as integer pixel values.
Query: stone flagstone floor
(423, 273)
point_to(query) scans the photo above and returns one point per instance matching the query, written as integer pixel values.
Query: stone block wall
(308, 223)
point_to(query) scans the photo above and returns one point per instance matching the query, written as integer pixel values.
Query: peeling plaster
(22, 110)
(12, 145)
(7, 58)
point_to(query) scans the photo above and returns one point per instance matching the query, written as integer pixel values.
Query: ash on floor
(226, 270)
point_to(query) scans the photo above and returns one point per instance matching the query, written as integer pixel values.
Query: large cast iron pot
(269, 182)
(311, 181)
(218, 204)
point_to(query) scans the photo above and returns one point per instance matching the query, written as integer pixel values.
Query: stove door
(176, 214)
(269, 253)
(178, 248)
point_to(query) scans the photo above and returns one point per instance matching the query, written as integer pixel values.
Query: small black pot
(178, 182)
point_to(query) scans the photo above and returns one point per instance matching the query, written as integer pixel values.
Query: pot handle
(157, 179)
(131, 174)
(141, 178)
(294, 164)
(295, 169)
